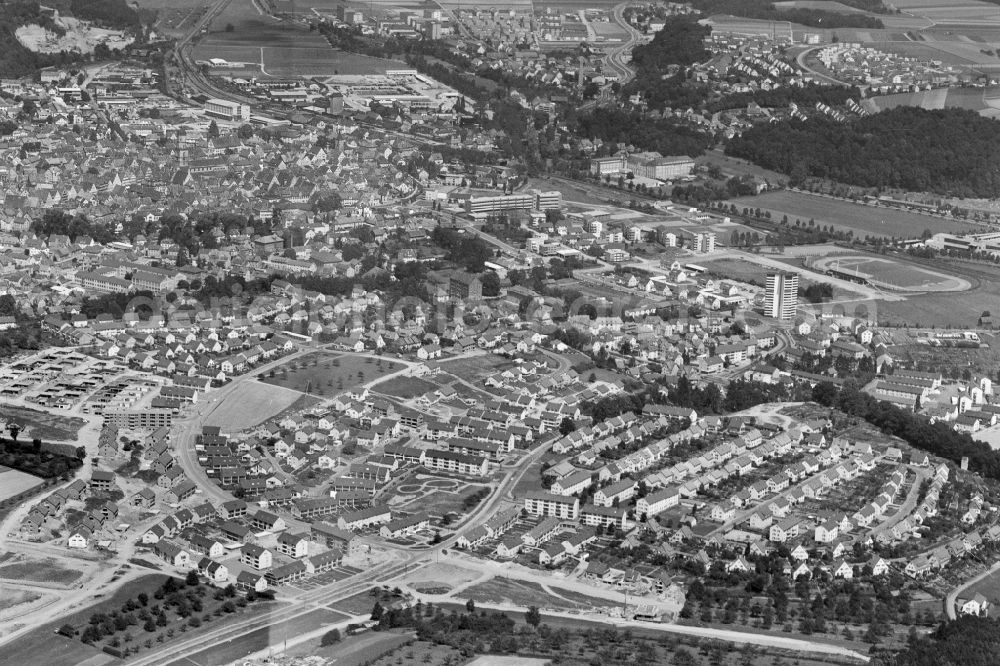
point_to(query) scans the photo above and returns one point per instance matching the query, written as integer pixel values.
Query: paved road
(949, 601)
(619, 56)
(909, 503)
(403, 560)
(800, 60)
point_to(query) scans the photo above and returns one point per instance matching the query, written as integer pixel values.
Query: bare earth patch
(80, 37)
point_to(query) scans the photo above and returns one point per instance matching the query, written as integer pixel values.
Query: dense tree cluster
(29, 457)
(817, 18)
(969, 641)
(74, 226)
(938, 439)
(27, 335)
(109, 13)
(470, 252)
(949, 151)
(817, 292)
(613, 405)
(15, 58)
(617, 126)
(660, 64)
(681, 42)
(469, 632)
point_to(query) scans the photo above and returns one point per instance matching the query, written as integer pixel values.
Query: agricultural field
(822, 5)
(249, 404)
(323, 373)
(929, 50)
(44, 425)
(282, 48)
(178, 18)
(294, 7)
(939, 98)
(845, 215)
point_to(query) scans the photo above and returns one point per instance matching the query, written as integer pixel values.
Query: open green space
(360, 649)
(405, 387)
(14, 482)
(474, 369)
(989, 587)
(42, 571)
(442, 502)
(284, 47)
(947, 310)
(736, 269)
(525, 594)
(12, 597)
(846, 215)
(43, 425)
(252, 403)
(358, 604)
(44, 646)
(326, 373)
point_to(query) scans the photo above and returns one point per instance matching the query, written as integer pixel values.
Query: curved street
(618, 57)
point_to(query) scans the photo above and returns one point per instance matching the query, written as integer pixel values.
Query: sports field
(891, 273)
(250, 404)
(845, 215)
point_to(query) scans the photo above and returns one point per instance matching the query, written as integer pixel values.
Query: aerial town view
(410, 332)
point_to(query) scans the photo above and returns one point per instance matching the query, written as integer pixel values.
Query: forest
(109, 13)
(969, 641)
(817, 18)
(952, 152)
(28, 456)
(16, 59)
(679, 44)
(618, 126)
